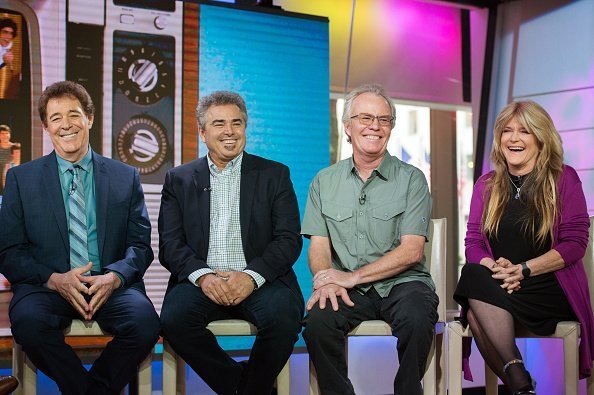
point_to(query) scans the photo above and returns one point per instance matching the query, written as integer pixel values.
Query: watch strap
(525, 270)
(254, 283)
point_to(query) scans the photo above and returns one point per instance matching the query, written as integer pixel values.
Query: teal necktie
(79, 255)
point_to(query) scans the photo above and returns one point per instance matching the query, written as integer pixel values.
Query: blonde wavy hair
(540, 186)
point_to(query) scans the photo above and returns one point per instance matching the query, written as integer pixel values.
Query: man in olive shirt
(368, 218)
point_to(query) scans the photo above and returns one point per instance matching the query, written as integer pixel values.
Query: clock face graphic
(143, 88)
(142, 74)
(142, 143)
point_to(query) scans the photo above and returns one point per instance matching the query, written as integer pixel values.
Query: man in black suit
(75, 243)
(229, 235)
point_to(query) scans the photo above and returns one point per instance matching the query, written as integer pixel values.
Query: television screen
(11, 54)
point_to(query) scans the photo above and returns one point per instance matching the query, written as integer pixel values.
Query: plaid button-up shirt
(225, 250)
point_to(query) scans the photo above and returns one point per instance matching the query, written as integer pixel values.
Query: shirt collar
(232, 166)
(85, 163)
(383, 170)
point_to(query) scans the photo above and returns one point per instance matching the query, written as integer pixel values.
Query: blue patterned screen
(280, 65)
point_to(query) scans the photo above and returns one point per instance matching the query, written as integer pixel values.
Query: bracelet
(512, 362)
(254, 283)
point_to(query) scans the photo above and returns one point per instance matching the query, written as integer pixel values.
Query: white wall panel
(570, 110)
(555, 50)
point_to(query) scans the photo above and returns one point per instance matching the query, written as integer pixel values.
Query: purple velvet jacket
(570, 240)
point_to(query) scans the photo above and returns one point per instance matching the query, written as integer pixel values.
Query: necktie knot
(74, 170)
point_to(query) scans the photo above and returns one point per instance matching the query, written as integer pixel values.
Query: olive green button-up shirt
(365, 220)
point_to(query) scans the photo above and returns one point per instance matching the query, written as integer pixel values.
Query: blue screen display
(280, 65)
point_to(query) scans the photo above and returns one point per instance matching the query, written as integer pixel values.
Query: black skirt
(538, 305)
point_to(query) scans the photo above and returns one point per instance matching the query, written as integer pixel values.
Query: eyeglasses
(367, 119)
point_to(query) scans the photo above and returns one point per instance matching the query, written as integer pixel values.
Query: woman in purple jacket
(527, 234)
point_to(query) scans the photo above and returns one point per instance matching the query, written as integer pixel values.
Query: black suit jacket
(269, 217)
(34, 240)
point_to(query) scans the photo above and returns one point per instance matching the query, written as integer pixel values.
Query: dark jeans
(38, 321)
(274, 309)
(410, 309)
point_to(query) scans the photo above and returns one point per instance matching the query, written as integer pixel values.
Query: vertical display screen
(143, 100)
(15, 94)
(84, 60)
(11, 54)
(279, 64)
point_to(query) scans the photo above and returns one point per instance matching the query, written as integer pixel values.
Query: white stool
(26, 372)
(174, 367)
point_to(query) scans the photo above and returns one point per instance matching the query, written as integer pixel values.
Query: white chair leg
(180, 381)
(454, 358)
(18, 365)
(491, 381)
(283, 380)
(29, 377)
(571, 362)
(314, 388)
(441, 365)
(169, 370)
(145, 375)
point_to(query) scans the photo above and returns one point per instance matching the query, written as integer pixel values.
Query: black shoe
(530, 390)
(8, 384)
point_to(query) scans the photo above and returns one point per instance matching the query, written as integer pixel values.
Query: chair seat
(382, 328)
(5, 332)
(569, 331)
(84, 328)
(371, 328)
(564, 329)
(232, 328)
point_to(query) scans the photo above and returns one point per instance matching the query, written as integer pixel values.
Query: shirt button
(386, 215)
(361, 236)
(360, 212)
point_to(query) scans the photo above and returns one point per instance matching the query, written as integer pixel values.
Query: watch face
(142, 75)
(142, 143)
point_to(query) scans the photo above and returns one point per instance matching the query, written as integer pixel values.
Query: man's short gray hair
(376, 89)
(219, 98)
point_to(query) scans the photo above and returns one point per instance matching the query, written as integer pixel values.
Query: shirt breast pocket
(339, 220)
(385, 223)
